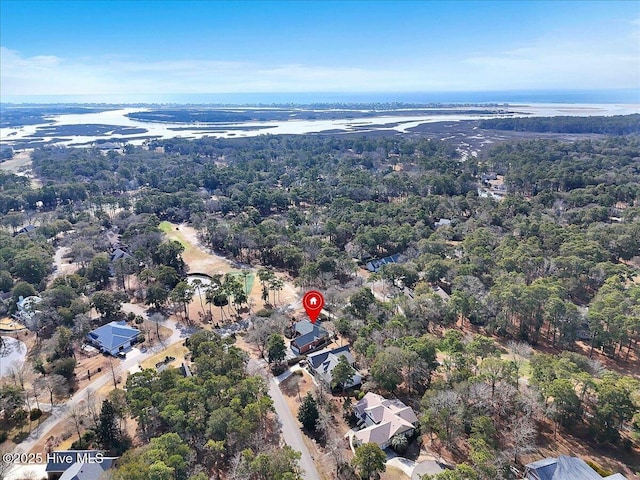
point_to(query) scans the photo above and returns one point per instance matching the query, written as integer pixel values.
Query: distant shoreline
(116, 125)
(289, 99)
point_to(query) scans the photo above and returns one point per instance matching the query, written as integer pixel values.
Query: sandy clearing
(200, 259)
(20, 160)
(20, 164)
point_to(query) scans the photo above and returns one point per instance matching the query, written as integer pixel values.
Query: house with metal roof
(443, 222)
(118, 253)
(114, 337)
(77, 464)
(375, 265)
(323, 362)
(27, 229)
(564, 468)
(383, 419)
(308, 336)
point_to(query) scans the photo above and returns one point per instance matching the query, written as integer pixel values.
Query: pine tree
(107, 430)
(308, 413)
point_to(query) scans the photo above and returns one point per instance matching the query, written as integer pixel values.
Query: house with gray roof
(564, 468)
(118, 253)
(308, 336)
(443, 222)
(77, 465)
(323, 362)
(27, 229)
(114, 337)
(375, 265)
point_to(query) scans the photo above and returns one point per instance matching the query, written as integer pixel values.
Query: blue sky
(162, 47)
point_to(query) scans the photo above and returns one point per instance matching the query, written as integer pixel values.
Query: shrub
(296, 359)
(264, 313)
(83, 443)
(64, 367)
(20, 437)
(278, 368)
(35, 414)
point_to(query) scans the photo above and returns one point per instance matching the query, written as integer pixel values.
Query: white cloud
(568, 63)
(571, 63)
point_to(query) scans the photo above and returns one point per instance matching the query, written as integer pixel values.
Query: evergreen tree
(276, 348)
(308, 413)
(369, 460)
(108, 434)
(342, 373)
(107, 430)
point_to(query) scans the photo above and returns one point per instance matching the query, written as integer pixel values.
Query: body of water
(15, 136)
(12, 353)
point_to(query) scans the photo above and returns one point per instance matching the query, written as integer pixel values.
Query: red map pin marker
(313, 302)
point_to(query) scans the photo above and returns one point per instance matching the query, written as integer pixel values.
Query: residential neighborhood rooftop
(113, 337)
(384, 418)
(564, 468)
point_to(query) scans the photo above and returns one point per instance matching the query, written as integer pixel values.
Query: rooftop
(390, 417)
(114, 334)
(308, 332)
(564, 468)
(318, 358)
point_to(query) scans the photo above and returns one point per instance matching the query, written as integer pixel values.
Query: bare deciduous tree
(323, 423)
(56, 385)
(158, 318)
(520, 352)
(521, 436)
(335, 448)
(77, 415)
(92, 406)
(261, 329)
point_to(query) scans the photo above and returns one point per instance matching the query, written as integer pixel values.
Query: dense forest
(614, 125)
(551, 265)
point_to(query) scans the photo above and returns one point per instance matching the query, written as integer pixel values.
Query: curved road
(290, 429)
(59, 411)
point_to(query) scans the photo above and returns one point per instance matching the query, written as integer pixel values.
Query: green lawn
(170, 230)
(250, 279)
(166, 227)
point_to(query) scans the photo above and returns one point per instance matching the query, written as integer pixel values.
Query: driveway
(401, 463)
(134, 357)
(290, 430)
(412, 469)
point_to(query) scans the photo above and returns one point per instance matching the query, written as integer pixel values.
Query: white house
(27, 308)
(323, 362)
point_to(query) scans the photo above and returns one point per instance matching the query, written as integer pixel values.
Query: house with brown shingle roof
(383, 419)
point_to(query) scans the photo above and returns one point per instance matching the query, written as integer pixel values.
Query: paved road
(290, 429)
(58, 413)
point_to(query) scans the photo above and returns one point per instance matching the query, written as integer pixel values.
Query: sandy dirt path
(20, 164)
